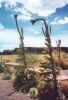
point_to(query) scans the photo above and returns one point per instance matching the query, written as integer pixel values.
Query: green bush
(1, 68)
(6, 76)
(24, 82)
(44, 87)
(4, 68)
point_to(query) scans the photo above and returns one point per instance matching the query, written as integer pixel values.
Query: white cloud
(11, 3)
(36, 32)
(31, 41)
(53, 23)
(1, 3)
(9, 39)
(24, 17)
(22, 10)
(1, 27)
(39, 7)
(61, 21)
(44, 7)
(40, 41)
(24, 14)
(56, 18)
(9, 35)
(62, 37)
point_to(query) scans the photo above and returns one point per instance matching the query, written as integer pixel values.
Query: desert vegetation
(39, 84)
(30, 83)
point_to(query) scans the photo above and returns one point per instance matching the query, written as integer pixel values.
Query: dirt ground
(6, 92)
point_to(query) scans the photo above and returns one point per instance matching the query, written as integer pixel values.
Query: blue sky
(55, 13)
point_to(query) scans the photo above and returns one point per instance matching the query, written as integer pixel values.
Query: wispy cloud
(24, 14)
(1, 26)
(56, 18)
(39, 7)
(36, 32)
(60, 21)
(63, 21)
(44, 8)
(24, 17)
(22, 10)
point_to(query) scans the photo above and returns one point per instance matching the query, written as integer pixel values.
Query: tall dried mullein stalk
(58, 49)
(48, 50)
(49, 56)
(22, 58)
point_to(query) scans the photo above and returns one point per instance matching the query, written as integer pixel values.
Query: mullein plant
(49, 57)
(4, 69)
(58, 50)
(23, 81)
(1, 61)
(48, 50)
(22, 57)
(20, 72)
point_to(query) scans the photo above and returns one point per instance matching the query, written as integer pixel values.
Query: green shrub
(24, 82)
(1, 68)
(44, 87)
(4, 68)
(6, 76)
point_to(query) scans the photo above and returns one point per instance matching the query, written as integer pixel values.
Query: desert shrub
(33, 93)
(6, 76)
(5, 70)
(1, 65)
(45, 87)
(63, 62)
(1, 68)
(24, 82)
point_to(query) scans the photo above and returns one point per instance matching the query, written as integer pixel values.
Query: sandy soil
(6, 92)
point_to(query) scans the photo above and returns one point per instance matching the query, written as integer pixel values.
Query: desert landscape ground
(7, 91)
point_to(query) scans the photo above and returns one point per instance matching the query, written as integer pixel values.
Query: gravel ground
(6, 88)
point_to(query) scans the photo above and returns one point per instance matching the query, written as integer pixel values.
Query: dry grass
(13, 58)
(63, 60)
(40, 59)
(64, 85)
(9, 58)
